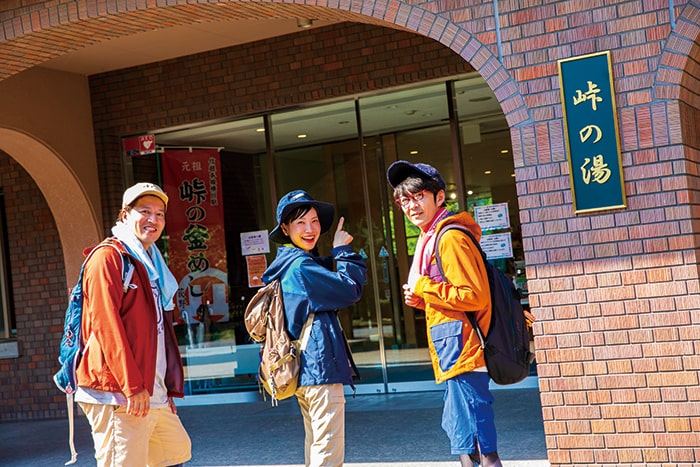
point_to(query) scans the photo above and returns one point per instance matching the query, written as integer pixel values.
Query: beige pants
(323, 409)
(122, 440)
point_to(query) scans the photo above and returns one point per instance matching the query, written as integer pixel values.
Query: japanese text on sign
(592, 137)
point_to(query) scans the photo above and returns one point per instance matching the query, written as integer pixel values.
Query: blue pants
(467, 415)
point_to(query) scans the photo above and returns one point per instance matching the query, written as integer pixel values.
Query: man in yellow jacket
(455, 349)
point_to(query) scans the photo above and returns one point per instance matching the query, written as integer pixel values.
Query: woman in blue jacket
(310, 285)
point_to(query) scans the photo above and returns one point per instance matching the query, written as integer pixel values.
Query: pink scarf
(425, 248)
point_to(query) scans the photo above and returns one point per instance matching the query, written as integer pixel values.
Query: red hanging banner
(196, 238)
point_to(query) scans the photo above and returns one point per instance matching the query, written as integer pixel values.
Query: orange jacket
(454, 345)
(121, 330)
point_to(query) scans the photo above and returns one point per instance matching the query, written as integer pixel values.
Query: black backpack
(507, 345)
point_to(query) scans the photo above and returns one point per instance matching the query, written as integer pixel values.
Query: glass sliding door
(409, 125)
(319, 151)
(339, 153)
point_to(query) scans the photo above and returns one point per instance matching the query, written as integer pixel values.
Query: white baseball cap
(142, 189)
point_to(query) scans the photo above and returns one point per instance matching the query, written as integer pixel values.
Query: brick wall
(39, 291)
(315, 65)
(616, 293)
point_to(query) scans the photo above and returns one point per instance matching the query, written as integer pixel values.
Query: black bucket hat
(295, 199)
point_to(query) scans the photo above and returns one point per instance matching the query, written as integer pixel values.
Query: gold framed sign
(592, 134)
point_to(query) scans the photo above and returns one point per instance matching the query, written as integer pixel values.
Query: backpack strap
(306, 331)
(127, 265)
(127, 273)
(470, 314)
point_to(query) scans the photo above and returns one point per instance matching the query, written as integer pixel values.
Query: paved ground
(381, 430)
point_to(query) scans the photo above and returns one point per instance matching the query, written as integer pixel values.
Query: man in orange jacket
(455, 349)
(131, 368)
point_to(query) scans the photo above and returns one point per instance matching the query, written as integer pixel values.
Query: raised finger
(341, 221)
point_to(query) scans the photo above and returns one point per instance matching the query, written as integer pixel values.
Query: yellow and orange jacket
(454, 345)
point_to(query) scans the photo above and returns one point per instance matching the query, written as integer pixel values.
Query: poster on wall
(196, 243)
(254, 243)
(497, 246)
(493, 216)
(256, 264)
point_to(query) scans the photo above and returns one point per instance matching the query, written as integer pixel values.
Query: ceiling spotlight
(487, 172)
(301, 136)
(304, 23)
(413, 153)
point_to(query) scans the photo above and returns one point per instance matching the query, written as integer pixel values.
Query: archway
(89, 24)
(73, 213)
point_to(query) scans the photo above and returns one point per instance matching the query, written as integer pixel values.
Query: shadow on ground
(379, 429)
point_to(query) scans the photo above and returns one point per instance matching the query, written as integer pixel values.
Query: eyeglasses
(404, 201)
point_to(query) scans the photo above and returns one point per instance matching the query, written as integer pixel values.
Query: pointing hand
(341, 237)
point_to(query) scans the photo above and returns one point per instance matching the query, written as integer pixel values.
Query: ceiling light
(409, 112)
(301, 136)
(487, 172)
(504, 151)
(470, 192)
(260, 130)
(304, 23)
(413, 153)
(480, 99)
(512, 175)
(453, 195)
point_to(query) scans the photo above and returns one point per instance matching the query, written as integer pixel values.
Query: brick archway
(677, 81)
(51, 29)
(675, 77)
(65, 199)
(41, 32)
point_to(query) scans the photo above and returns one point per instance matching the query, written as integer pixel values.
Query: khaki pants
(122, 440)
(323, 409)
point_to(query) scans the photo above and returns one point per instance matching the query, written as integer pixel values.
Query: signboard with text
(492, 216)
(139, 145)
(591, 130)
(254, 243)
(497, 246)
(195, 227)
